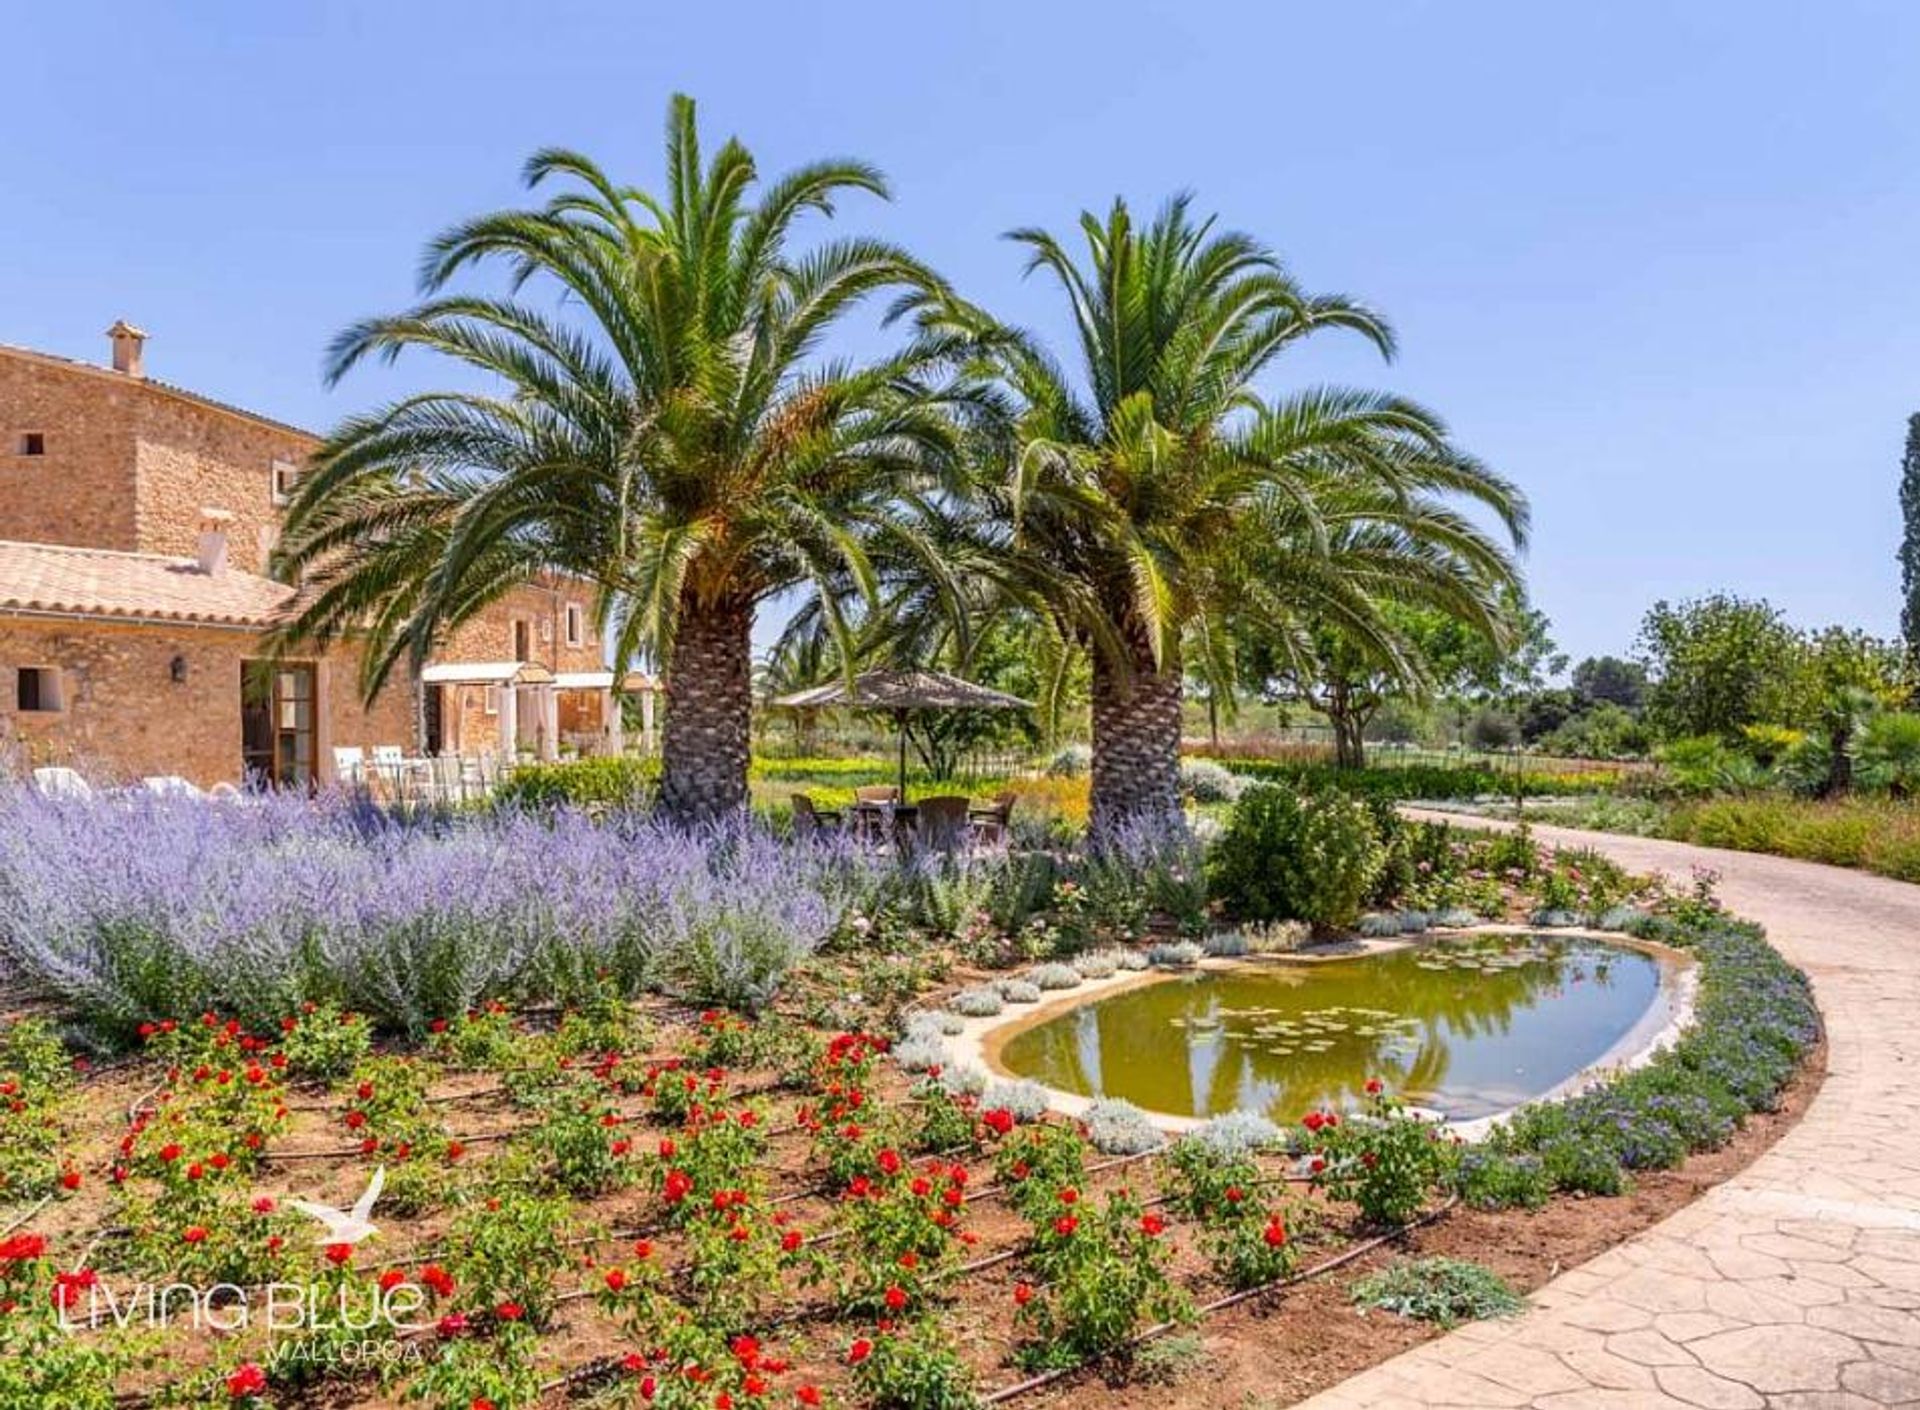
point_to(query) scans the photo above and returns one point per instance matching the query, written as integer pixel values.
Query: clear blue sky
(1657, 262)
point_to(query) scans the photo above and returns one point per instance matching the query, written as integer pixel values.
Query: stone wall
(124, 716)
(543, 607)
(81, 490)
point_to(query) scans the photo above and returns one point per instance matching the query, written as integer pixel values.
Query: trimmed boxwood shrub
(1288, 857)
(581, 783)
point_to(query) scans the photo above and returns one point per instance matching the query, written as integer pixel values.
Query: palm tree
(1137, 487)
(666, 430)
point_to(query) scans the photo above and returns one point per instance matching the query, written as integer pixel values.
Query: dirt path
(1796, 1283)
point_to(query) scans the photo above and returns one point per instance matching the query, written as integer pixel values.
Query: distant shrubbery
(582, 783)
(1410, 782)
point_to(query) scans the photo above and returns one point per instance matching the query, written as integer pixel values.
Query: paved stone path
(1796, 1283)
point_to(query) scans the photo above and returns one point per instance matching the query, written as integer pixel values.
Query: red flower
(1152, 1225)
(263, 1205)
(643, 1249)
(1022, 1294)
(1275, 1233)
(790, 1241)
(355, 1120)
(20, 1247)
(808, 1395)
(896, 1298)
(1065, 1225)
(69, 1179)
(616, 1279)
(480, 1402)
(452, 1325)
(667, 1148)
(746, 1350)
(859, 1351)
(889, 1162)
(391, 1279)
(67, 1286)
(194, 1234)
(999, 1120)
(1235, 1194)
(1069, 1195)
(1373, 1086)
(509, 1312)
(678, 1185)
(339, 1255)
(169, 1153)
(1313, 1121)
(246, 1381)
(455, 1150)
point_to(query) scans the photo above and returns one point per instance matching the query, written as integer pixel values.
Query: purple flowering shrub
(136, 908)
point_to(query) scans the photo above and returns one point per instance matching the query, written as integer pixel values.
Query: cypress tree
(1910, 540)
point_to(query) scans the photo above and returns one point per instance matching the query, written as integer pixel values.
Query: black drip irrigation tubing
(1221, 1304)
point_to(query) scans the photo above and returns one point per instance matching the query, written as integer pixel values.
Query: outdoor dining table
(875, 821)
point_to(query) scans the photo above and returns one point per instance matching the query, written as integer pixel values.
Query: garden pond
(1467, 1028)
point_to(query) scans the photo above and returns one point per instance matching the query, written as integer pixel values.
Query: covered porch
(515, 709)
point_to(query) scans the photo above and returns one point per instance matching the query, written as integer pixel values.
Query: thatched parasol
(898, 693)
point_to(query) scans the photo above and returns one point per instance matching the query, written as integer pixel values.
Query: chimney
(213, 541)
(127, 343)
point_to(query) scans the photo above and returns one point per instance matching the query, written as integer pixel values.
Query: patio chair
(172, 786)
(993, 825)
(871, 820)
(57, 782)
(942, 822)
(349, 763)
(810, 822)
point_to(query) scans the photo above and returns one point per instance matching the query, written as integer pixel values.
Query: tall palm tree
(664, 428)
(1139, 482)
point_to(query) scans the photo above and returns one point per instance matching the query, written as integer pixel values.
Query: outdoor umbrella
(899, 692)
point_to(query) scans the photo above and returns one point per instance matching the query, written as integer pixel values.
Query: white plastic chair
(61, 783)
(349, 762)
(172, 786)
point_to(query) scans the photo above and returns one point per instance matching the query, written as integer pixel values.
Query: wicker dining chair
(942, 822)
(810, 822)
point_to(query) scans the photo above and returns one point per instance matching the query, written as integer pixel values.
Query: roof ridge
(164, 386)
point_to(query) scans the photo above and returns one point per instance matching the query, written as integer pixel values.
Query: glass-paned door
(277, 734)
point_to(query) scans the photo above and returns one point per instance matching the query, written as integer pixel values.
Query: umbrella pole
(900, 719)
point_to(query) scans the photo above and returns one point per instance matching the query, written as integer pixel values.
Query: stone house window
(576, 625)
(286, 474)
(32, 443)
(491, 697)
(37, 690)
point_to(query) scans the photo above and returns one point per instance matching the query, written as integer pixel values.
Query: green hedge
(581, 783)
(1412, 781)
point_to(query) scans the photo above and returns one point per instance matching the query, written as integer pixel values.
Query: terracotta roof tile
(40, 577)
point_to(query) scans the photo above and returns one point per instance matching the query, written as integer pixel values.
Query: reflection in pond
(1467, 1027)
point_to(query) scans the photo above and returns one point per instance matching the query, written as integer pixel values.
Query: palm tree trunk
(1136, 740)
(705, 746)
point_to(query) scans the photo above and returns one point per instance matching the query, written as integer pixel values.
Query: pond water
(1466, 1027)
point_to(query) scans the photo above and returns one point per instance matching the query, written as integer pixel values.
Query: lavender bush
(139, 907)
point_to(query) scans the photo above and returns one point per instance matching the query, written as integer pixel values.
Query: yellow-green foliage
(1874, 835)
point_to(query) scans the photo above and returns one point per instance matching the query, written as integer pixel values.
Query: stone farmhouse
(136, 524)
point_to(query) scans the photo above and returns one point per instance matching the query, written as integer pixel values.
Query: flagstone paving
(1796, 1284)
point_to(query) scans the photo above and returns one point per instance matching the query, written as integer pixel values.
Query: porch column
(613, 714)
(646, 720)
(549, 701)
(509, 724)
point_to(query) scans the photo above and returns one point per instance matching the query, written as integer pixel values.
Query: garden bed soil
(1276, 1351)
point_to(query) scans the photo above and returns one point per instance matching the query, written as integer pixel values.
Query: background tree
(1610, 680)
(1910, 540)
(1715, 665)
(665, 429)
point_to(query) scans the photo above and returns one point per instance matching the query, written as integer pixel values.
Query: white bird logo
(348, 1226)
